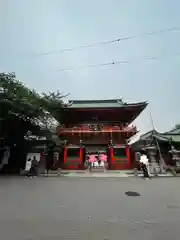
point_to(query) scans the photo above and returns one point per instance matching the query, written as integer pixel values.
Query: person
(59, 166)
(99, 159)
(91, 160)
(28, 164)
(103, 159)
(144, 161)
(49, 164)
(34, 167)
(25, 171)
(96, 164)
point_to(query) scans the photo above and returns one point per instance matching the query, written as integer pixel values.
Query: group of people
(33, 166)
(98, 160)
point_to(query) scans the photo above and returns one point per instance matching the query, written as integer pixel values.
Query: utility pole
(152, 122)
(162, 163)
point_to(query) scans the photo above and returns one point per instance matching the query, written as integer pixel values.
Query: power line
(110, 41)
(141, 59)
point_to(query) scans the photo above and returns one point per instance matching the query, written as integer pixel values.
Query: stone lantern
(151, 151)
(175, 156)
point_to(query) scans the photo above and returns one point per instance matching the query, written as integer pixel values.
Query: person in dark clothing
(99, 160)
(145, 171)
(144, 161)
(49, 164)
(34, 167)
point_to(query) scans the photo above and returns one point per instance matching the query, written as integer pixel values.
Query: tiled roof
(173, 131)
(109, 103)
(154, 134)
(174, 138)
(161, 136)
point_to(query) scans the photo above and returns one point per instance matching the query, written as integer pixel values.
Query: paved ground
(106, 174)
(93, 208)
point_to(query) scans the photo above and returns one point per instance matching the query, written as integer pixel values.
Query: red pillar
(81, 157)
(128, 156)
(65, 155)
(112, 157)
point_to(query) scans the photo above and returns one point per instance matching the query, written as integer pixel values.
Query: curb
(104, 175)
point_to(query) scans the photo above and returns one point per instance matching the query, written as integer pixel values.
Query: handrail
(86, 127)
(104, 129)
(97, 131)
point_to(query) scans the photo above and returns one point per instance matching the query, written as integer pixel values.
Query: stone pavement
(106, 174)
(90, 208)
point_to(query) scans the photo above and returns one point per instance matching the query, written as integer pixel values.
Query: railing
(97, 129)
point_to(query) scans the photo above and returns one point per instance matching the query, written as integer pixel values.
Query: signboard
(29, 136)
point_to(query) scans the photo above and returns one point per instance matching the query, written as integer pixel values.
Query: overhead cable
(109, 41)
(135, 60)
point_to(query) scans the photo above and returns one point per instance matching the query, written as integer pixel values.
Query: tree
(177, 126)
(27, 104)
(23, 109)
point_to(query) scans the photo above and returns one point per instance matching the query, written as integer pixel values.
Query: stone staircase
(98, 169)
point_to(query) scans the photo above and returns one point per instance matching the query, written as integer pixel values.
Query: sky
(29, 28)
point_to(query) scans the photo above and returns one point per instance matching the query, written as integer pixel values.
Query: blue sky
(37, 26)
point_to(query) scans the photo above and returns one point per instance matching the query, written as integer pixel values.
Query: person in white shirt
(26, 171)
(144, 161)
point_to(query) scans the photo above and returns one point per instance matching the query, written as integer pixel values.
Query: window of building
(73, 152)
(120, 152)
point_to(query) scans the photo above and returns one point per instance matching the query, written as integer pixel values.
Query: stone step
(97, 169)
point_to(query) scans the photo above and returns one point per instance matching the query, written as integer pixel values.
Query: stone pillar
(176, 157)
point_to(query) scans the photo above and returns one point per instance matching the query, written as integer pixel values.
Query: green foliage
(16, 98)
(22, 109)
(177, 126)
(53, 103)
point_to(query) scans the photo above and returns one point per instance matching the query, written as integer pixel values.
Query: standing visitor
(92, 159)
(28, 165)
(144, 161)
(34, 167)
(103, 159)
(86, 163)
(26, 171)
(48, 165)
(99, 159)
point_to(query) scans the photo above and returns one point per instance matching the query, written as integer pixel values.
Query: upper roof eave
(104, 104)
(173, 132)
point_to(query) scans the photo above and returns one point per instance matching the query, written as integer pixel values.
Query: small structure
(175, 156)
(98, 125)
(161, 147)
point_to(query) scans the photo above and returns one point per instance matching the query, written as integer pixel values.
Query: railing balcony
(96, 129)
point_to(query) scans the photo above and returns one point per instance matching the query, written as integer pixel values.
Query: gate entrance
(77, 157)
